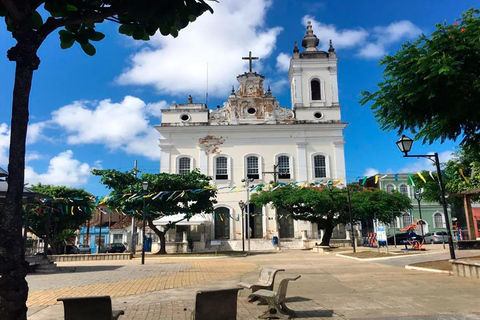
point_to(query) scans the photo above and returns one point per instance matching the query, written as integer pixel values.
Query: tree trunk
(161, 236)
(13, 287)
(328, 232)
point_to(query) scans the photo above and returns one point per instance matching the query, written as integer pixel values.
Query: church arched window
(283, 163)
(315, 89)
(404, 189)
(184, 165)
(252, 167)
(221, 168)
(319, 166)
(438, 220)
(390, 188)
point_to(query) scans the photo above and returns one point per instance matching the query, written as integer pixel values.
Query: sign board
(381, 233)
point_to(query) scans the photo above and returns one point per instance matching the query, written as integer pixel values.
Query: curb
(427, 269)
(379, 258)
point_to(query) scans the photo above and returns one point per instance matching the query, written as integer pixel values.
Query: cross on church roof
(250, 58)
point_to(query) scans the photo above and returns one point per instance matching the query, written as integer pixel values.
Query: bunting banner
(421, 177)
(411, 179)
(463, 176)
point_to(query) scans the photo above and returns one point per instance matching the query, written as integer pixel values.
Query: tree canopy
(330, 208)
(167, 194)
(432, 85)
(464, 163)
(30, 22)
(66, 209)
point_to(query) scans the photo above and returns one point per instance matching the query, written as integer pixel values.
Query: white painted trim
(302, 161)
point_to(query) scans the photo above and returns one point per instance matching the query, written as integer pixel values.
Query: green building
(431, 213)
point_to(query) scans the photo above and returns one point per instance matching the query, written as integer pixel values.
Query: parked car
(113, 248)
(436, 237)
(84, 248)
(402, 237)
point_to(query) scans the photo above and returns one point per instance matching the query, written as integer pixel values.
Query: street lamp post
(418, 196)
(405, 145)
(242, 207)
(352, 231)
(145, 188)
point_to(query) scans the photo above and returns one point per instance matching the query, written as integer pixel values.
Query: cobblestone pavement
(330, 287)
(122, 278)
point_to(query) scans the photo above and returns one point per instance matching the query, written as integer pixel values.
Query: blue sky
(99, 112)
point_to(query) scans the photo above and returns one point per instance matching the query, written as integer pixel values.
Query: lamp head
(241, 204)
(404, 144)
(330, 186)
(418, 194)
(145, 185)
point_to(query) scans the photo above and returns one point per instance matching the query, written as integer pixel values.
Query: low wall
(91, 257)
(466, 268)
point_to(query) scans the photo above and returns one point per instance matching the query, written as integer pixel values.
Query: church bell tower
(313, 81)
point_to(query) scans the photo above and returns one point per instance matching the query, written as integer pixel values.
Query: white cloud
(370, 44)
(346, 38)
(123, 125)
(32, 156)
(35, 132)
(4, 144)
(278, 85)
(283, 62)
(372, 50)
(155, 108)
(385, 36)
(370, 172)
(425, 164)
(179, 66)
(62, 170)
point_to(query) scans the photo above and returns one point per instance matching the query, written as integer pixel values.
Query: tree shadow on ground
(314, 314)
(80, 269)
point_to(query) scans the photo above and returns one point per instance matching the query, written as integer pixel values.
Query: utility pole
(274, 172)
(134, 227)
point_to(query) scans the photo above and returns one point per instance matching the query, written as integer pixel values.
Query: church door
(285, 227)
(256, 224)
(222, 223)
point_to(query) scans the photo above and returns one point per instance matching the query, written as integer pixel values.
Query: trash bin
(275, 240)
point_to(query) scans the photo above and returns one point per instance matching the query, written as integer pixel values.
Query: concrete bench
(98, 308)
(265, 281)
(218, 304)
(276, 301)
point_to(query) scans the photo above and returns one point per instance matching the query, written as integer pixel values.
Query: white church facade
(253, 138)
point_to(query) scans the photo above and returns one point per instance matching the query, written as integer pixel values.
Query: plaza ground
(330, 287)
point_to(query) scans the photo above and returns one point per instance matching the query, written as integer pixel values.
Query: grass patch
(443, 265)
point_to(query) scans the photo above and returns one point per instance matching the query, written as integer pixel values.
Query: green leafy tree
(466, 161)
(197, 198)
(432, 86)
(329, 208)
(63, 211)
(30, 22)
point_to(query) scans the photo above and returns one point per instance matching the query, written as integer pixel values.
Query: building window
(184, 166)
(221, 168)
(283, 163)
(406, 220)
(390, 188)
(117, 238)
(404, 189)
(222, 223)
(315, 89)
(438, 220)
(252, 168)
(319, 167)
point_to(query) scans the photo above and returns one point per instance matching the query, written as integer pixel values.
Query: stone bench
(466, 268)
(276, 301)
(90, 257)
(265, 280)
(218, 304)
(99, 308)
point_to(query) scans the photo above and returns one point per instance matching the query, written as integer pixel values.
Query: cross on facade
(250, 58)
